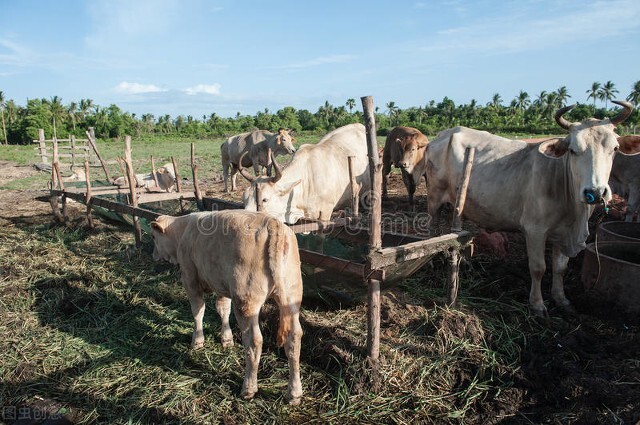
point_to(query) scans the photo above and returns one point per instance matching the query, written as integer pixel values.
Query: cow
(625, 174)
(166, 179)
(245, 258)
(257, 144)
(404, 148)
(546, 190)
(316, 181)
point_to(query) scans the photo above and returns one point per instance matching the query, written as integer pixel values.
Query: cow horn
(624, 114)
(560, 120)
(278, 175)
(244, 172)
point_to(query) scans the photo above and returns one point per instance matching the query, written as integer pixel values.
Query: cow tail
(278, 248)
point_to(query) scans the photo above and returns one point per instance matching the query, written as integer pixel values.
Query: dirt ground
(589, 364)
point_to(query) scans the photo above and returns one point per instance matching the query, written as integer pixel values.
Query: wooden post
(355, 190)
(91, 136)
(72, 145)
(43, 146)
(123, 170)
(175, 169)
(137, 231)
(153, 172)
(375, 229)
(196, 186)
(258, 198)
(461, 197)
(88, 196)
(454, 272)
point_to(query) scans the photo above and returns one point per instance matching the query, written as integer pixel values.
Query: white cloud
(322, 60)
(137, 88)
(212, 89)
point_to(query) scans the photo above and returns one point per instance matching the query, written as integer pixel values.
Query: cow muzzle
(594, 196)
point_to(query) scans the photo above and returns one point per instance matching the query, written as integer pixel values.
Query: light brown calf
(404, 148)
(244, 257)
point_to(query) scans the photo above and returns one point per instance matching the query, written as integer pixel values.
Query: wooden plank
(338, 265)
(428, 247)
(461, 196)
(319, 226)
(88, 195)
(137, 231)
(92, 143)
(146, 198)
(175, 170)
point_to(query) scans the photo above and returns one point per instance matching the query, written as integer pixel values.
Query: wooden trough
(372, 259)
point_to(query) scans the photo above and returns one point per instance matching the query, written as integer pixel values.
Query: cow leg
(234, 174)
(535, 252)
(559, 263)
(247, 318)
(633, 203)
(386, 170)
(196, 299)
(225, 175)
(223, 306)
(293, 343)
(269, 167)
(409, 184)
(256, 169)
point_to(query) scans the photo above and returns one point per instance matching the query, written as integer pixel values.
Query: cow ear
(422, 143)
(284, 189)
(629, 145)
(554, 148)
(161, 170)
(158, 226)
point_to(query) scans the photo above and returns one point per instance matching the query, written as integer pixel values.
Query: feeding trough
(622, 231)
(612, 268)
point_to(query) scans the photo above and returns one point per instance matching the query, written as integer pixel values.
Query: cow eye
(616, 148)
(572, 151)
(264, 200)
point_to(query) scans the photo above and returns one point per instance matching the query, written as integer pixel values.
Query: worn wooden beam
(137, 231)
(454, 275)
(88, 195)
(92, 143)
(196, 185)
(153, 172)
(175, 170)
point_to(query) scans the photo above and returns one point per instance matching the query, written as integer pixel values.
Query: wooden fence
(75, 151)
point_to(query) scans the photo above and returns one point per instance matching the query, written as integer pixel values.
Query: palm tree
(496, 101)
(522, 102)
(4, 129)
(607, 91)
(71, 110)
(562, 96)
(634, 96)
(594, 92)
(57, 111)
(86, 106)
(351, 103)
(394, 111)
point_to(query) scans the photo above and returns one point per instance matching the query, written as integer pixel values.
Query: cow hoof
(295, 401)
(248, 395)
(227, 343)
(540, 312)
(197, 345)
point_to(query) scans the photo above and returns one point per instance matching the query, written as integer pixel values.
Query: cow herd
(547, 190)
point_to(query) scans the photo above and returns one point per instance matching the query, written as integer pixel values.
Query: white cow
(316, 182)
(245, 257)
(547, 190)
(625, 174)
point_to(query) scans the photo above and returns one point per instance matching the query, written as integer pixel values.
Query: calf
(242, 256)
(166, 179)
(625, 174)
(404, 148)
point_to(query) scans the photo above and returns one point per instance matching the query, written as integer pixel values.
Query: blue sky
(196, 57)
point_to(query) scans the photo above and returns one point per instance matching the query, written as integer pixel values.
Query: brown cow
(625, 174)
(404, 148)
(242, 256)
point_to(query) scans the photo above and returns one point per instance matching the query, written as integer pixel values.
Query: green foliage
(523, 114)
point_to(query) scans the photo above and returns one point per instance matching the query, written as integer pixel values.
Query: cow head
(590, 146)
(412, 147)
(274, 195)
(165, 244)
(284, 142)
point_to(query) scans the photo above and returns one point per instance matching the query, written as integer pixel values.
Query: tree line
(523, 115)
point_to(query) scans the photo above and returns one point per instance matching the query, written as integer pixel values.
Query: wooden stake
(461, 197)
(196, 186)
(375, 229)
(88, 197)
(123, 170)
(43, 146)
(454, 272)
(92, 143)
(137, 231)
(153, 172)
(355, 190)
(175, 169)
(72, 144)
